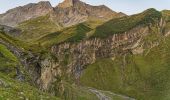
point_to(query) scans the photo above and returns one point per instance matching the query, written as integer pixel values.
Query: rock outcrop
(67, 3)
(22, 13)
(72, 12)
(73, 58)
(10, 30)
(67, 13)
(86, 52)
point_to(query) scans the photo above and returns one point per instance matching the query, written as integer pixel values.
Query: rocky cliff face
(67, 3)
(75, 57)
(71, 12)
(9, 30)
(29, 63)
(20, 14)
(67, 13)
(72, 58)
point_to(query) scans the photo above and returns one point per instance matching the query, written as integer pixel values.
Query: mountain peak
(67, 3)
(32, 10)
(44, 3)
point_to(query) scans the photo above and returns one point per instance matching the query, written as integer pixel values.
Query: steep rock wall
(72, 58)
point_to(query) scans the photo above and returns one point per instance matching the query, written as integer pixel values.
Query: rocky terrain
(71, 12)
(76, 51)
(68, 13)
(23, 13)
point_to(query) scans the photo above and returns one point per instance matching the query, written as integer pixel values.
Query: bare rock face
(10, 30)
(67, 13)
(86, 52)
(20, 14)
(71, 12)
(67, 3)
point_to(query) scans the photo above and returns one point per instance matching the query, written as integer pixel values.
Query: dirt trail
(102, 95)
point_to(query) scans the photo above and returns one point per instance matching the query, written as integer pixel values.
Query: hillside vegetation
(11, 89)
(144, 76)
(100, 29)
(37, 28)
(120, 25)
(71, 34)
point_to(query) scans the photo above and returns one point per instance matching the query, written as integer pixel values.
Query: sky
(126, 6)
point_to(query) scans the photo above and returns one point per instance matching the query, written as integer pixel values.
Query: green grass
(42, 31)
(34, 47)
(120, 25)
(97, 28)
(36, 28)
(145, 77)
(72, 34)
(8, 62)
(73, 92)
(25, 46)
(11, 89)
(9, 39)
(7, 54)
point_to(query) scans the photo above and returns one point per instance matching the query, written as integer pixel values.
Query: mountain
(20, 14)
(68, 13)
(81, 52)
(71, 12)
(63, 16)
(67, 3)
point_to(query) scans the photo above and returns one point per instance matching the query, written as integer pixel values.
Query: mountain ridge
(99, 57)
(26, 12)
(59, 14)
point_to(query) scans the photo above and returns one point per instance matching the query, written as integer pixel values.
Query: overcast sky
(126, 6)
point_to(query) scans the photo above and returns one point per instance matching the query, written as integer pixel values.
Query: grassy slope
(145, 77)
(71, 34)
(7, 54)
(46, 32)
(42, 31)
(96, 28)
(120, 25)
(73, 92)
(8, 62)
(19, 90)
(11, 89)
(34, 47)
(38, 27)
(105, 72)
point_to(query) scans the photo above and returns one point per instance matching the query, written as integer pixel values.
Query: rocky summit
(67, 13)
(71, 12)
(76, 51)
(68, 3)
(20, 14)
